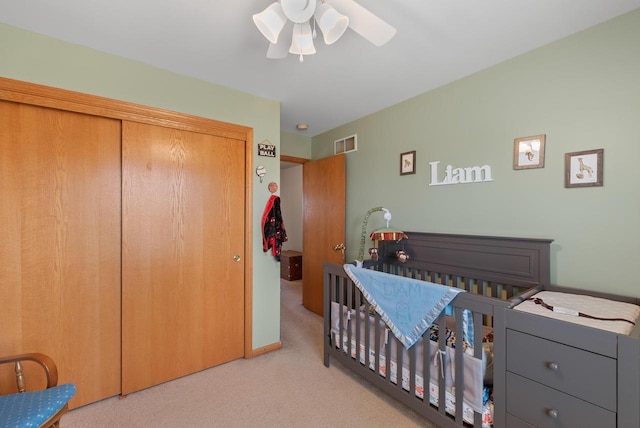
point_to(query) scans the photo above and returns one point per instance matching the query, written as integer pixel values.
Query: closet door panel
(183, 223)
(60, 243)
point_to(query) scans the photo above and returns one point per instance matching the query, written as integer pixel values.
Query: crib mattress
(567, 306)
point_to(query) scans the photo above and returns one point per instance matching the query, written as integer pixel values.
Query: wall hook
(261, 171)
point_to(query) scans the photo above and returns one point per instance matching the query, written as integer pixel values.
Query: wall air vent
(346, 145)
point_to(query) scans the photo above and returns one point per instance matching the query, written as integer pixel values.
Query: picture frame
(583, 169)
(408, 163)
(528, 152)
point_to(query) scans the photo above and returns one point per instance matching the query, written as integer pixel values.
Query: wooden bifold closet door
(183, 249)
(60, 244)
(122, 240)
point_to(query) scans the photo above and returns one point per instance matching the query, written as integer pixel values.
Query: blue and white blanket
(408, 306)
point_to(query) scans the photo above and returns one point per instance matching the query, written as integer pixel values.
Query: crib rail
(352, 345)
(487, 288)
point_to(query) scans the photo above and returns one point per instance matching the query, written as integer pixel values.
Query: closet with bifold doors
(120, 231)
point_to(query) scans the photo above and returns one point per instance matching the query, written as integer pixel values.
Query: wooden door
(183, 225)
(323, 224)
(60, 244)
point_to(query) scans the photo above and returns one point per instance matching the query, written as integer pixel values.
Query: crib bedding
(478, 373)
(567, 306)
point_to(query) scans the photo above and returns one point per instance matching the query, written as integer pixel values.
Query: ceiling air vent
(346, 145)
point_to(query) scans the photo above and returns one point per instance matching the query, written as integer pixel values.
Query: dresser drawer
(583, 374)
(543, 407)
(513, 422)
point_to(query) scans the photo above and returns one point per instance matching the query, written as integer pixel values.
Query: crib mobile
(383, 234)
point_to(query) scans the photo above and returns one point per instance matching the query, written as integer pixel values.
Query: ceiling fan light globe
(270, 22)
(298, 11)
(332, 23)
(302, 40)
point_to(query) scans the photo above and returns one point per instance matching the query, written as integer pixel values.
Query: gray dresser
(560, 374)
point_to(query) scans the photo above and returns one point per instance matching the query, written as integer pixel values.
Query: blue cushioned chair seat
(32, 409)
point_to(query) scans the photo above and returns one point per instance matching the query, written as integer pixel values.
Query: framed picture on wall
(583, 169)
(408, 163)
(528, 152)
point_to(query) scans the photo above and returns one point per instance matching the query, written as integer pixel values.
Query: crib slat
(459, 355)
(387, 356)
(357, 302)
(336, 289)
(412, 371)
(367, 334)
(349, 298)
(477, 353)
(441, 367)
(377, 340)
(343, 325)
(427, 367)
(400, 362)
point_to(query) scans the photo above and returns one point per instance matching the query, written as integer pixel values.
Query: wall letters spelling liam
(471, 174)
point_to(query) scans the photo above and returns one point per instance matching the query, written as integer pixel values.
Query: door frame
(293, 159)
(62, 99)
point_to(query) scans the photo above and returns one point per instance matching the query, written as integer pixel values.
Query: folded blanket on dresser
(408, 306)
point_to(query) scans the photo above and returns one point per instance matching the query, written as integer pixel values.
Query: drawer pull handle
(553, 366)
(552, 413)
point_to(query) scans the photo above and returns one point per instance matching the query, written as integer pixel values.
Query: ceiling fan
(333, 17)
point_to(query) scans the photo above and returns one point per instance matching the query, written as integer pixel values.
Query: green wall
(295, 145)
(34, 58)
(583, 92)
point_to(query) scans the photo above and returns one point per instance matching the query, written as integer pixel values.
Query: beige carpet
(286, 388)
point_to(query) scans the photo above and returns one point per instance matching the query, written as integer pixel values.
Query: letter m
(475, 173)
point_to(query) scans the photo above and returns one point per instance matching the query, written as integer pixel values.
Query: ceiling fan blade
(281, 49)
(277, 50)
(364, 22)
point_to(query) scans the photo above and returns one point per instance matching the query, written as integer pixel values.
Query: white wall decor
(471, 174)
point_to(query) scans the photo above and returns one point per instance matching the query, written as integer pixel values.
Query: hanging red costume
(273, 231)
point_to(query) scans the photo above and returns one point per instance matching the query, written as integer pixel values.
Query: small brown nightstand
(291, 265)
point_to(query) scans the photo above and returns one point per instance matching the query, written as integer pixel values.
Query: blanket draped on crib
(407, 306)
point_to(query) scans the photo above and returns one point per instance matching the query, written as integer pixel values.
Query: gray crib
(434, 377)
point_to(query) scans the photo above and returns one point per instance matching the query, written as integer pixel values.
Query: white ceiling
(438, 41)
